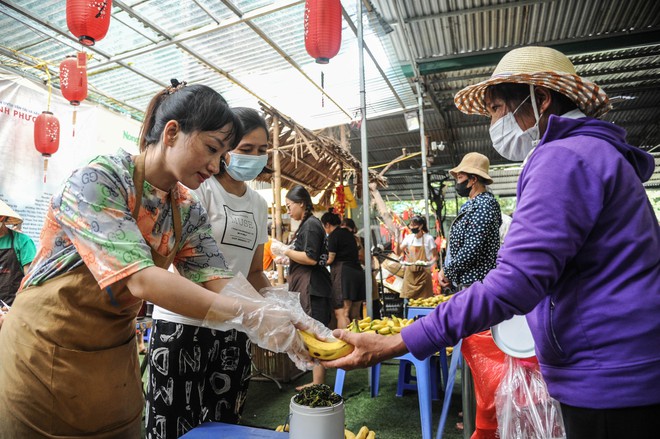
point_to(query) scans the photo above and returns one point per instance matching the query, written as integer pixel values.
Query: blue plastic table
(215, 430)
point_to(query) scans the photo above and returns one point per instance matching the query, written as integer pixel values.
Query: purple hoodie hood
(563, 127)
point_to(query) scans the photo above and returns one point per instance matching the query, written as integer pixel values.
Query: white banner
(97, 131)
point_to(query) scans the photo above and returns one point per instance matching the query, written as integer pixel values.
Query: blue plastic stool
(423, 370)
(408, 381)
(375, 380)
(456, 358)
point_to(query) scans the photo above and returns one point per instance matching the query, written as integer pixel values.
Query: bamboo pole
(277, 182)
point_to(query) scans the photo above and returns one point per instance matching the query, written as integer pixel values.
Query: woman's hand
(278, 248)
(370, 349)
(444, 282)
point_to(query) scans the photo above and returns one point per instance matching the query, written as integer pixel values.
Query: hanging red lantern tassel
(73, 81)
(88, 20)
(322, 29)
(46, 136)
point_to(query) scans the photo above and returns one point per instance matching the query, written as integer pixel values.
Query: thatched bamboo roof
(312, 159)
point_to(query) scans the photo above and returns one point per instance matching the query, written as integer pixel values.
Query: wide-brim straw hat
(13, 217)
(474, 163)
(541, 66)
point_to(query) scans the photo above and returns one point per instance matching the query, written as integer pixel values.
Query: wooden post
(277, 183)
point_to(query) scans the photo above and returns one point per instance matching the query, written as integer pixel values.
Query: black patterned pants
(196, 375)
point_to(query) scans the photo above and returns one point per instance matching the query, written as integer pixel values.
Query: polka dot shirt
(474, 240)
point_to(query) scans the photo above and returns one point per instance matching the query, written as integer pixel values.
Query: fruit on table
(284, 427)
(324, 350)
(348, 434)
(385, 326)
(429, 302)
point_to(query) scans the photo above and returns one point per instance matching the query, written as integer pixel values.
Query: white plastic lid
(514, 337)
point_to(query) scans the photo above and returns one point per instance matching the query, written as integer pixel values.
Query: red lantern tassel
(45, 166)
(73, 121)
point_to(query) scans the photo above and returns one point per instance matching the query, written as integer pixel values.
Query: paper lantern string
(322, 90)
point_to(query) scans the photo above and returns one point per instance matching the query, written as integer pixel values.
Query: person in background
(473, 244)
(268, 255)
(474, 235)
(581, 257)
(421, 252)
(308, 257)
(349, 224)
(69, 356)
(17, 251)
(345, 270)
(238, 217)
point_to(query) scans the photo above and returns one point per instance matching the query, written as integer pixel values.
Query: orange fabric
(268, 256)
(486, 363)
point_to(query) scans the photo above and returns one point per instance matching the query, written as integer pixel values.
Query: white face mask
(509, 140)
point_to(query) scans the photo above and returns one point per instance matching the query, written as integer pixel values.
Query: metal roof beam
(568, 47)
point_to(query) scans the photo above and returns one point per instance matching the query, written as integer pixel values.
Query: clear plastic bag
(525, 410)
(269, 320)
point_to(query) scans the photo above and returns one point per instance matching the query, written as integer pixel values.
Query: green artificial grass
(389, 416)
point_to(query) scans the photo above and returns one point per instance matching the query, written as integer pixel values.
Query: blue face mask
(244, 167)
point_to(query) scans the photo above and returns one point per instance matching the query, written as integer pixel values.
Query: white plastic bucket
(317, 422)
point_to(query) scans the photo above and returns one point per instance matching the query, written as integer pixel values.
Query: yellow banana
(280, 428)
(371, 435)
(324, 350)
(348, 434)
(362, 434)
(385, 330)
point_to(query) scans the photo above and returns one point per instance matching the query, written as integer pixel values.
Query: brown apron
(68, 362)
(417, 280)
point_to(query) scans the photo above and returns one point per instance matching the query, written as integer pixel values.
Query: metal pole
(425, 174)
(366, 215)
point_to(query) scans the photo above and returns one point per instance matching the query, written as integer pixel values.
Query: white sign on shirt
(240, 229)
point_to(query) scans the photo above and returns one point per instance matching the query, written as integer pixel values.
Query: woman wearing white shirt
(197, 374)
(421, 251)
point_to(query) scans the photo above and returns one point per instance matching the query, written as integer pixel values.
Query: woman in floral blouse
(69, 354)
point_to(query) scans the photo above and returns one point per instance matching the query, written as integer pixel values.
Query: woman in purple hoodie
(581, 259)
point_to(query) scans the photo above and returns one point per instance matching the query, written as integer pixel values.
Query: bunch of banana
(364, 433)
(384, 326)
(284, 427)
(324, 350)
(429, 302)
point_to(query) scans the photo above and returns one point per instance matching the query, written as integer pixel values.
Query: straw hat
(474, 163)
(7, 211)
(538, 66)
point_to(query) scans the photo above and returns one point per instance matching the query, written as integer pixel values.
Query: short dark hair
(330, 217)
(251, 120)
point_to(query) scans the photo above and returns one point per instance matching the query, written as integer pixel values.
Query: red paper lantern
(88, 20)
(47, 134)
(73, 78)
(322, 29)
